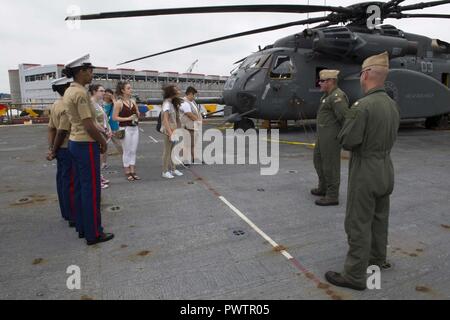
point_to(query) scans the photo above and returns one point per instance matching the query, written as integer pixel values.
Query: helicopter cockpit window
(250, 62)
(254, 62)
(283, 68)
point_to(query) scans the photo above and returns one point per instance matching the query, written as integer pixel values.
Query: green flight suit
(370, 131)
(327, 152)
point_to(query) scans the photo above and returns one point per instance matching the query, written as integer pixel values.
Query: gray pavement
(177, 240)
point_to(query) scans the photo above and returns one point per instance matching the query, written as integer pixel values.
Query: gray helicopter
(280, 81)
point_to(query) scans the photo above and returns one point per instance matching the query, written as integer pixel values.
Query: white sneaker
(177, 173)
(167, 175)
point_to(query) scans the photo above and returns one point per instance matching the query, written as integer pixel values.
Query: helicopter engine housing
(341, 42)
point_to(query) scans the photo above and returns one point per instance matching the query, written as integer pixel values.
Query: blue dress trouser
(65, 184)
(86, 156)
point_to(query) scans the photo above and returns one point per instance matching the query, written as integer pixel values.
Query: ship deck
(189, 238)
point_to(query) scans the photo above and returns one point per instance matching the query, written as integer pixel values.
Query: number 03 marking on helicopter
(427, 67)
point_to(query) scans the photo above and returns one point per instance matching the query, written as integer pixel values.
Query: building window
(114, 76)
(127, 78)
(41, 77)
(100, 76)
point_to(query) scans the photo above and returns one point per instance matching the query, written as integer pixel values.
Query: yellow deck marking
(311, 145)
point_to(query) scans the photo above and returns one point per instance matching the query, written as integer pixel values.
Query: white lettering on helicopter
(419, 95)
(374, 21)
(266, 91)
(427, 67)
(230, 83)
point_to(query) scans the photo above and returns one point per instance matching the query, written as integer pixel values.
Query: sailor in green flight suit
(327, 153)
(369, 132)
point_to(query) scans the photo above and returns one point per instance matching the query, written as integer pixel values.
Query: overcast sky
(35, 32)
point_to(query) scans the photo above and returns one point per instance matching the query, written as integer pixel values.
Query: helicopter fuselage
(281, 82)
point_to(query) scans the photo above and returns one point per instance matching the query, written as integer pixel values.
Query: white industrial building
(31, 83)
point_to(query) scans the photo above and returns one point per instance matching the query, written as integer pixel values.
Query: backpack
(158, 125)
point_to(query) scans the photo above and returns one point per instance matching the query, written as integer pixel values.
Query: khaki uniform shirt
(79, 107)
(59, 119)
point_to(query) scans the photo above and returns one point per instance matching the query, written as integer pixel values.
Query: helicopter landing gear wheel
(437, 122)
(245, 124)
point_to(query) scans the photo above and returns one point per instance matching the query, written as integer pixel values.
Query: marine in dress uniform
(327, 152)
(85, 145)
(369, 133)
(59, 129)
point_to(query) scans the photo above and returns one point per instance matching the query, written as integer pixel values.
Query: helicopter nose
(245, 101)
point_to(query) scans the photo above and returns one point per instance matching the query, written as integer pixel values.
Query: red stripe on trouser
(94, 187)
(72, 194)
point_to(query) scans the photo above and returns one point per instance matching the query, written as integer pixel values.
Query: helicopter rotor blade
(423, 5)
(418, 15)
(235, 35)
(242, 60)
(324, 25)
(392, 4)
(214, 9)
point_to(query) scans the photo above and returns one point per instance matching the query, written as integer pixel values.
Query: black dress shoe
(102, 238)
(81, 235)
(72, 224)
(325, 202)
(318, 192)
(338, 280)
